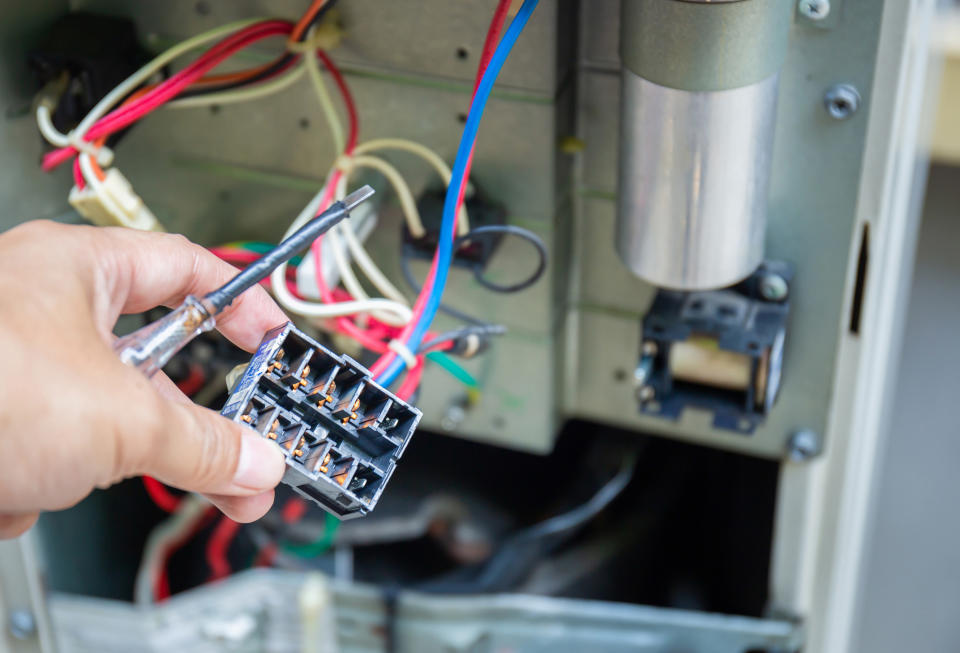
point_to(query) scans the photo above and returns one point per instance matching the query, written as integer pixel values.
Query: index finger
(144, 269)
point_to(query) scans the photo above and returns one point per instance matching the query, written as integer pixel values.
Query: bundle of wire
(393, 360)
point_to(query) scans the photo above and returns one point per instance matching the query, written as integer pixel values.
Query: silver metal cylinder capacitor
(698, 107)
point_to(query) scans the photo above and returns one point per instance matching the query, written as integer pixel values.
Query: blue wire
(445, 248)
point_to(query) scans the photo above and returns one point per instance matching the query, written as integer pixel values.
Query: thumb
(202, 451)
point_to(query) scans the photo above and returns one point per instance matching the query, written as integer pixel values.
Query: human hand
(72, 416)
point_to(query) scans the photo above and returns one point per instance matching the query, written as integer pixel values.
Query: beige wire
(408, 205)
(425, 153)
(326, 102)
(360, 255)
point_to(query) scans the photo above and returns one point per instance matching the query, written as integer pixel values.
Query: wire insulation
(426, 312)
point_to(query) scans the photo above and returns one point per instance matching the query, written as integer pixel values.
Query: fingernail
(261, 463)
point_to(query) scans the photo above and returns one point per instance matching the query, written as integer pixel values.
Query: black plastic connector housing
(483, 212)
(95, 52)
(341, 433)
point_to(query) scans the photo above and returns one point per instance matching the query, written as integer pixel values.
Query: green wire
(258, 247)
(453, 368)
(319, 546)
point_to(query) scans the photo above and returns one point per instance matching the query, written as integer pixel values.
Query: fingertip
(16, 525)
(244, 509)
(260, 465)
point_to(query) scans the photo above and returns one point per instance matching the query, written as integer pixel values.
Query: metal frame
(260, 609)
(826, 507)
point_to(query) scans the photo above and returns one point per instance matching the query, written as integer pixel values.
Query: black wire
(515, 556)
(316, 19)
(277, 67)
(513, 230)
(412, 282)
(262, 267)
(454, 335)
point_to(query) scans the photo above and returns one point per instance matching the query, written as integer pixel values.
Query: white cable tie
(344, 163)
(102, 154)
(320, 37)
(401, 350)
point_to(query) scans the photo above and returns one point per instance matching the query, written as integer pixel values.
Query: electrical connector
(116, 205)
(484, 212)
(341, 433)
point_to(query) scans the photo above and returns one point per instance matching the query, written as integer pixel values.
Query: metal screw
(645, 393)
(803, 446)
(773, 288)
(841, 101)
(453, 416)
(814, 9)
(22, 624)
(649, 348)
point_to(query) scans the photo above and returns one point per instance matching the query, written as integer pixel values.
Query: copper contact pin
(246, 418)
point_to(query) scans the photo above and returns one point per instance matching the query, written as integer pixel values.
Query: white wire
(425, 153)
(326, 102)
(86, 168)
(163, 535)
(360, 255)
(45, 123)
(351, 282)
(243, 94)
(128, 85)
(408, 204)
(402, 313)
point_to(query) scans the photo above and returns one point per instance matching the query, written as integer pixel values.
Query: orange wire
(306, 19)
(239, 75)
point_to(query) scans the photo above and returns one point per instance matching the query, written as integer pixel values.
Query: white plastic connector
(121, 207)
(363, 219)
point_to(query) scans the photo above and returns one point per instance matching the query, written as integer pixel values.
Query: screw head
(645, 393)
(453, 417)
(774, 288)
(649, 348)
(814, 9)
(841, 101)
(803, 446)
(22, 624)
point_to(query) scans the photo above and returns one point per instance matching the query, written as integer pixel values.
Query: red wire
(410, 384)
(162, 584)
(343, 324)
(219, 545)
(369, 338)
(194, 381)
(133, 111)
(160, 495)
(347, 100)
(493, 34)
(293, 510)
